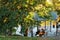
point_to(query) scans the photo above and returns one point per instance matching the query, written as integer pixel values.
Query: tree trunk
(37, 25)
(10, 31)
(31, 32)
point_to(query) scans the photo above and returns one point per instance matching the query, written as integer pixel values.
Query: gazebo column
(45, 24)
(50, 25)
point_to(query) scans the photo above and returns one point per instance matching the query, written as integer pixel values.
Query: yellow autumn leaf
(7, 4)
(27, 1)
(49, 3)
(26, 5)
(58, 18)
(57, 4)
(31, 13)
(41, 14)
(14, 2)
(5, 20)
(18, 7)
(39, 6)
(31, 3)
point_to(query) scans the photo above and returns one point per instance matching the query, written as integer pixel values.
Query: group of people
(40, 32)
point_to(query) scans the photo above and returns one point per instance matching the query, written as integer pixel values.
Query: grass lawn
(24, 38)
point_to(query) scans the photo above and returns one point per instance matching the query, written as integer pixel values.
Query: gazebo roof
(54, 15)
(37, 18)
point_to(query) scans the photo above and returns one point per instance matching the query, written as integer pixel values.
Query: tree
(13, 12)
